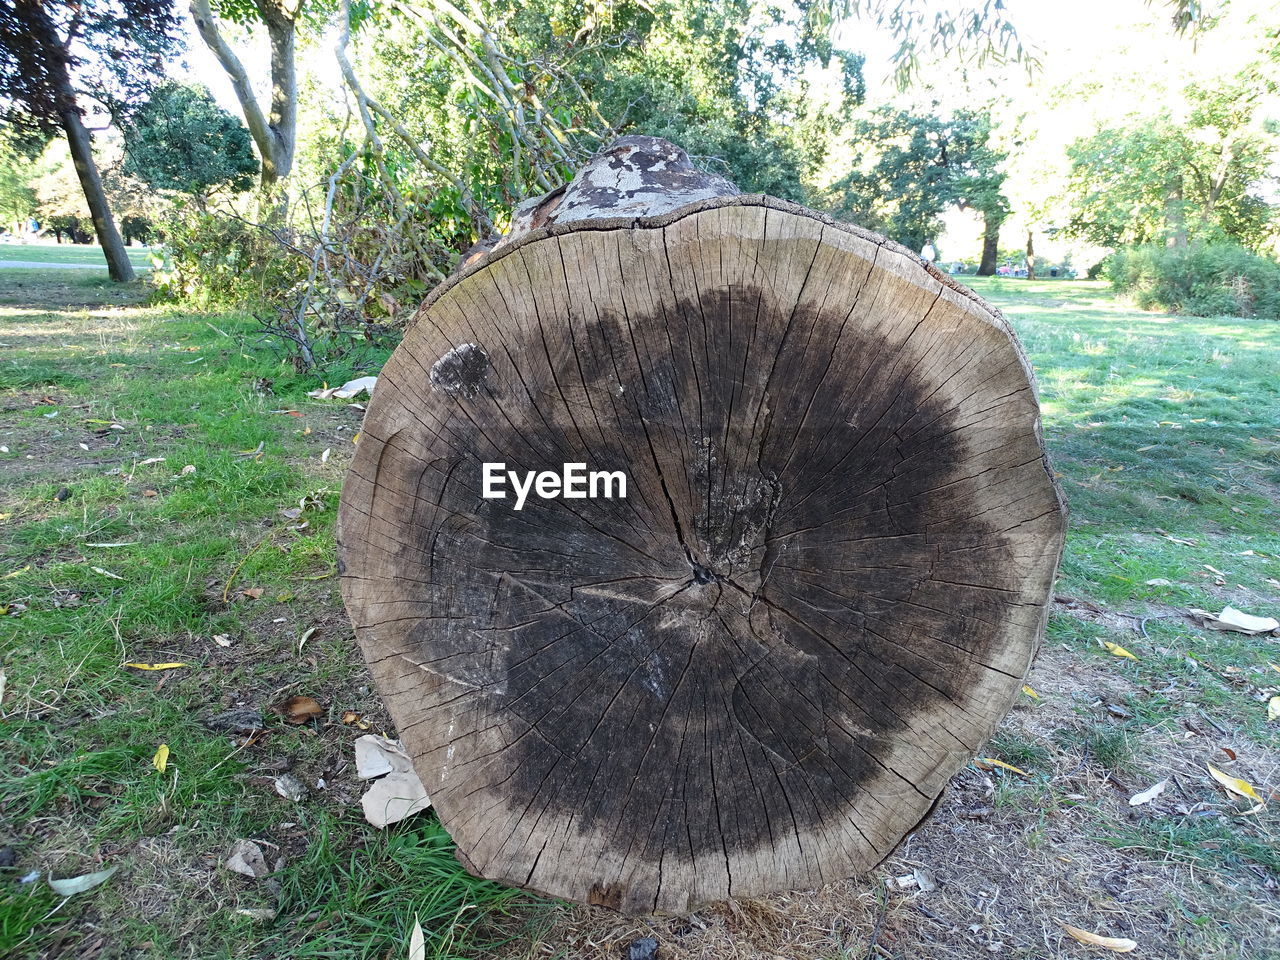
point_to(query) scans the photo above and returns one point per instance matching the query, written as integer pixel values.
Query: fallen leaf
(161, 759)
(291, 788)
(1114, 944)
(307, 635)
(246, 859)
(257, 913)
(156, 666)
(417, 942)
(222, 639)
(378, 756)
(73, 885)
(393, 798)
(324, 457)
(106, 573)
(1118, 651)
(1242, 788)
(1029, 692)
(352, 388)
(1232, 619)
(1004, 766)
(189, 469)
(253, 593)
(150, 493)
(298, 710)
(1149, 794)
(1273, 708)
(1159, 582)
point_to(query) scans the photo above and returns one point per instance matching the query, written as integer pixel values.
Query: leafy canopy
(109, 50)
(182, 140)
(918, 165)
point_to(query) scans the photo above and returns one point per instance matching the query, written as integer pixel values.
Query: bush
(215, 261)
(1201, 280)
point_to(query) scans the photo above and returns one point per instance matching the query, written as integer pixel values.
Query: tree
(275, 132)
(182, 140)
(53, 53)
(978, 180)
(1157, 178)
(17, 199)
(917, 166)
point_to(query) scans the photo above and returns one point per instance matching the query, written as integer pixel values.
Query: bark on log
(758, 670)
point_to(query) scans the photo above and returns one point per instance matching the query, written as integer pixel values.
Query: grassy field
(148, 454)
(86, 254)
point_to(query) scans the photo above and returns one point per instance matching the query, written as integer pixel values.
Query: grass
(150, 453)
(148, 458)
(48, 252)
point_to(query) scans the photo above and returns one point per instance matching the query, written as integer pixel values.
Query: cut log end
(821, 592)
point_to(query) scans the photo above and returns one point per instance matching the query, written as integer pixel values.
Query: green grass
(132, 566)
(1157, 426)
(87, 254)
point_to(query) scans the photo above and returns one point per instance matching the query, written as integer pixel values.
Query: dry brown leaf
(1114, 944)
(253, 593)
(298, 710)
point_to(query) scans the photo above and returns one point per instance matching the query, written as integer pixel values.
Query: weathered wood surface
(822, 592)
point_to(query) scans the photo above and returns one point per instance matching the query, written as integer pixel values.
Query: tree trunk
(1031, 256)
(275, 135)
(1175, 215)
(990, 244)
(118, 265)
(283, 119)
(822, 590)
(119, 268)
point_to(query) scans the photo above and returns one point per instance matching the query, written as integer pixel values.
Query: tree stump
(822, 589)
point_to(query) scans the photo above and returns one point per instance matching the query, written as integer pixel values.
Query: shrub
(1201, 280)
(215, 261)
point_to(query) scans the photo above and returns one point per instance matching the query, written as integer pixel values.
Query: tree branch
(207, 26)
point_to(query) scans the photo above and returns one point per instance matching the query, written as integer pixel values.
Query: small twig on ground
(875, 931)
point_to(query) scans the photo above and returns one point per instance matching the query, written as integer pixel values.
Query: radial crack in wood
(828, 577)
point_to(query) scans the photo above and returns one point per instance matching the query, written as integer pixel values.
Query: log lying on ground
(822, 590)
